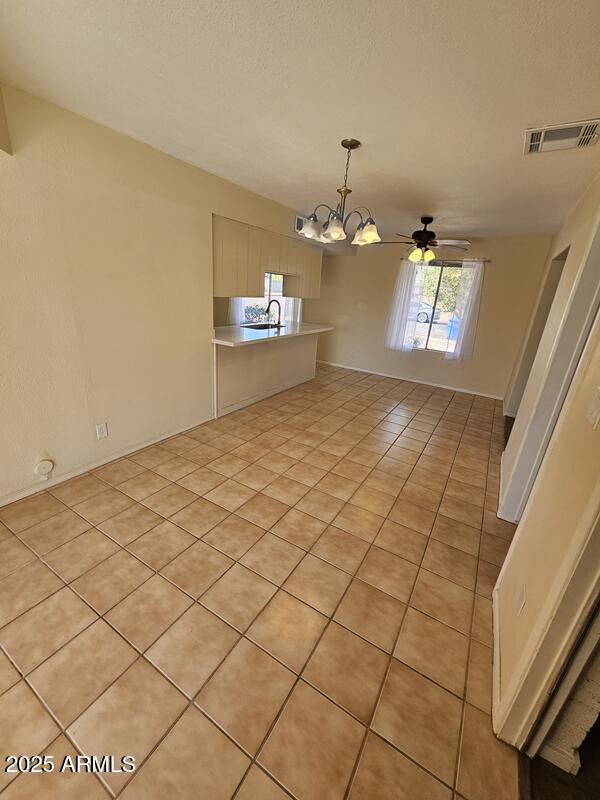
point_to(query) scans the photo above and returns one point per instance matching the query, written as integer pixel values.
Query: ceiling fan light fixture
(370, 233)
(428, 255)
(415, 255)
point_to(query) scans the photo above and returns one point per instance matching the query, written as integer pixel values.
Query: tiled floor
(291, 601)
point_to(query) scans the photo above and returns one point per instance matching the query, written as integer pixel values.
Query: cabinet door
(230, 257)
(311, 287)
(272, 252)
(257, 258)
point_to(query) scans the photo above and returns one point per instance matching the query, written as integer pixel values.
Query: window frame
(442, 265)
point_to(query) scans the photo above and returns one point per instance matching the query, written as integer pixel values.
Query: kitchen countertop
(238, 336)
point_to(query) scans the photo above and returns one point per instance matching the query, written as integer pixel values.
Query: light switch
(593, 414)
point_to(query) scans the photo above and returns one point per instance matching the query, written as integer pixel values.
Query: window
(435, 307)
(436, 323)
(253, 309)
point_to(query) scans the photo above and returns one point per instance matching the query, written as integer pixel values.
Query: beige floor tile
(25, 587)
(179, 444)
(468, 477)
(273, 558)
(258, 786)
(394, 468)
(479, 677)
(195, 760)
(170, 500)
(482, 621)
(111, 580)
(358, 521)
(161, 544)
(228, 465)
(313, 746)
(200, 516)
(461, 491)
(383, 482)
(443, 599)
(203, 454)
(276, 462)
(13, 554)
(488, 768)
(321, 459)
(421, 719)
(130, 717)
(192, 648)
(288, 629)
(352, 470)
(341, 549)
(320, 505)
(412, 516)
(246, 693)
(26, 726)
(143, 485)
(299, 528)
(422, 496)
(390, 573)
(238, 597)
(317, 583)
(371, 614)
(451, 563)
(402, 541)
(385, 773)
(151, 456)
(462, 511)
(337, 486)
(57, 785)
(227, 442)
(78, 489)
(262, 510)
(372, 500)
(30, 511)
(487, 575)
(493, 549)
(77, 674)
(256, 477)
(456, 534)
(230, 495)
(347, 669)
(118, 471)
(54, 532)
(434, 650)
(129, 524)
(196, 568)
(306, 473)
(201, 480)
(148, 611)
(429, 480)
(234, 536)
(103, 505)
(175, 468)
(286, 490)
(498, 527)
(434, 465)
(43, 629)
(80, 554)
(8, 674)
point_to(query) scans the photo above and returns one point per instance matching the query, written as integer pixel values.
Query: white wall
(106, 306)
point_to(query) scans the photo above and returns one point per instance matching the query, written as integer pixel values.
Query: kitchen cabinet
(243, 253)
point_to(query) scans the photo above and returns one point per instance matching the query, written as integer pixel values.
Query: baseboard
(412, 380)
(81, 470)
(567, 760)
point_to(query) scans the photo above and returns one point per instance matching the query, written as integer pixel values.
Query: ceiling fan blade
(460, 244)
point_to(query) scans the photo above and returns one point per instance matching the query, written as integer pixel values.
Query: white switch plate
(593, 414)
(102, 430)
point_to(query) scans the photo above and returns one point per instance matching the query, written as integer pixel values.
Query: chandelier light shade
(334, 226)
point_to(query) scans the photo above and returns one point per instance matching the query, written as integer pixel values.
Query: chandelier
(333, 229)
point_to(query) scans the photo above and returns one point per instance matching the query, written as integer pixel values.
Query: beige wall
(567, 488)
(106, 306)
(356, 294)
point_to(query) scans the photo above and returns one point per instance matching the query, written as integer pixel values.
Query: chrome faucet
(278, 311)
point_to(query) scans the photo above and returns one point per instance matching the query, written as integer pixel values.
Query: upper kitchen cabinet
(242, 254)
(230, 257)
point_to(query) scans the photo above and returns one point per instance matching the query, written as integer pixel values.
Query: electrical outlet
(102, 430)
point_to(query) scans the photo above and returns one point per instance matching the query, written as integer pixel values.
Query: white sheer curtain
(402, 319)
(467, 308)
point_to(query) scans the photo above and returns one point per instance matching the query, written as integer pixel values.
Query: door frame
(581, 310)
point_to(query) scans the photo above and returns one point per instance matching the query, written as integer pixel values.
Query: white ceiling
(261, 91)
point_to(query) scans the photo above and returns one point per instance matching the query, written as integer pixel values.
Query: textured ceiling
(261, 91)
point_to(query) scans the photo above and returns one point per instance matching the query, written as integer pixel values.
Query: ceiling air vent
(562, 137)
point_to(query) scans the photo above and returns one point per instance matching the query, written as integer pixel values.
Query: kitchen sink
(262, 326)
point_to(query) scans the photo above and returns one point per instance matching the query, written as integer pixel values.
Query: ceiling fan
(424, 240)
